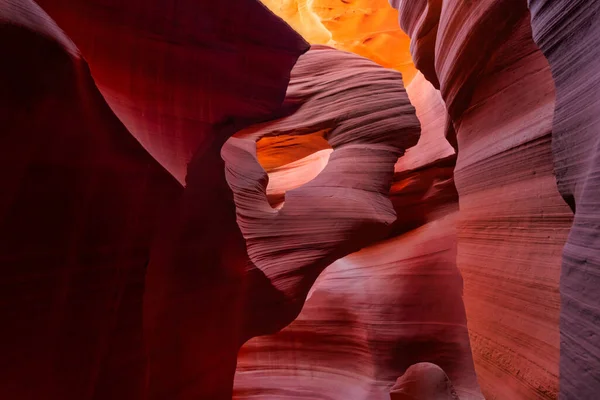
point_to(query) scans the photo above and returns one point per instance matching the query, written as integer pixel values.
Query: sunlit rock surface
(512, 223)
(137, 269)
(365, 27)
(568, 33)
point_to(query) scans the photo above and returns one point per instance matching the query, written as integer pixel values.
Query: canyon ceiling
(300, 199)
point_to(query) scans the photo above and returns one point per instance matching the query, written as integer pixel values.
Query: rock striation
(369, 122)
(372, 314)
(567, 33)
(512, 223)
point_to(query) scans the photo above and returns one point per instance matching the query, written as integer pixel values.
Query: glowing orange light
(365, 27)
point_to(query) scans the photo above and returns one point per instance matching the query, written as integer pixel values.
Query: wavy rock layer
(512, 223)
(200, 259)
(80, 200)
(347, 201)
(374, 313)
(568, 32)
(366, 27)
(172, 70)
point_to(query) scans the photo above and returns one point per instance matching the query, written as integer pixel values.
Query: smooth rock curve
(80, 202)
(372, 314)
(567, 32)
(499, 93)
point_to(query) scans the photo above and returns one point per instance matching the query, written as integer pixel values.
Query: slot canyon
(300, 199)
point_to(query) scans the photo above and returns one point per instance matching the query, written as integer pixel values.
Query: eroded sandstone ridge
(197, 204)
(568, 33)
(372, 314)
(81, 198)
(512, 223)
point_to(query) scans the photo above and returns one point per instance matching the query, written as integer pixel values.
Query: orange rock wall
(366, 27)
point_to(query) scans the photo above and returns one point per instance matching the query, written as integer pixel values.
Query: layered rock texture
(199, 204)
(372, 314)
(567, 32)
(512, 223)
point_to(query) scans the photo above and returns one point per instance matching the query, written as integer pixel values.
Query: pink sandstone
(372, 314)
(183, 181)
(512, 224)
(567, 33)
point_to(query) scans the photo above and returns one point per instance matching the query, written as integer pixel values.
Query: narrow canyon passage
(299, 199)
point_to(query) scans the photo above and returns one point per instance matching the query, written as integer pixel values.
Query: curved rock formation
(423, 381)
(567, 32)
(420, 19)
(345, 206)
(82, 196)
(200, 273)
(368, 318)
(172, 70)
(80, 200)
(512, 223)
(374, 313)
(120, 283)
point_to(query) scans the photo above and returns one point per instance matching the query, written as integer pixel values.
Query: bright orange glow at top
(366, 27)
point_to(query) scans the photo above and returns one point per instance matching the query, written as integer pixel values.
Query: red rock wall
(568, 32)
(374, 313)
(172, 70)
(512, 222)
(80, 200)
(81, 196)
(83, 203)
(207, 295)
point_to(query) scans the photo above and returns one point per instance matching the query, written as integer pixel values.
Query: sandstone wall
(512, 223)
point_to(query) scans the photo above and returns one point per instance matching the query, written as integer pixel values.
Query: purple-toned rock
(568, 33)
